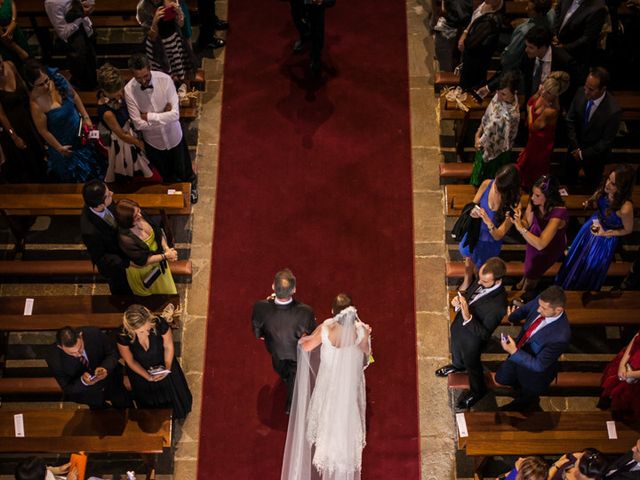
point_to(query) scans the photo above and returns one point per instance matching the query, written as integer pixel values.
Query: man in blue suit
(533, 355)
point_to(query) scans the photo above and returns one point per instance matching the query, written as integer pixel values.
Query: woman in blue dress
(494, 199)
(60, 117)
(587, 262)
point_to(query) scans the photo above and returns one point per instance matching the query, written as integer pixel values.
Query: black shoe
(315, 66)
(604, 403)
(221, 25)
(194, 196)
(468, 400)
(216, 43)
(298, 46)
(446, 371)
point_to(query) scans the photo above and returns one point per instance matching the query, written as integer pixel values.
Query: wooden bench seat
(564, 380)
(586, 308)
(36, 385)
(90, 98)
(52, 268)
(90, 101)
(516, 269)
(104, 431)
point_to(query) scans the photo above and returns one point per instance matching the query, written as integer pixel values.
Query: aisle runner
(315, 176)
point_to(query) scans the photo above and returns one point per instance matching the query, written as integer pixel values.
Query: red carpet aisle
(316, 177)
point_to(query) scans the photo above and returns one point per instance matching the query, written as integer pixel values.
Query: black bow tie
(147, 87)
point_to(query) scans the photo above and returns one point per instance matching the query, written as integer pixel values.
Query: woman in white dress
(326, 431)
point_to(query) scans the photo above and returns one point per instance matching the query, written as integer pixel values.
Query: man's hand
(577, 154)
(511, 309)
(508, 345)
(86, 379)
(168, 107)
(100, 374)
(87, 9)
(464, 307)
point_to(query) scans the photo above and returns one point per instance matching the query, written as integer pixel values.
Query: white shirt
(162, 129)
(277, 301)
(595, 105)
(544, 323)
(545, 62)
(56, 10)
(103, 214)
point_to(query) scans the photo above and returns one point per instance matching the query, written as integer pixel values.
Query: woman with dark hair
(494, 199)
(13, 41)
(146, 246)
(544, 228)
(585, 266)
(497, 131)
(527, 468)
(589, 464)
(543, 109)
(60, 117)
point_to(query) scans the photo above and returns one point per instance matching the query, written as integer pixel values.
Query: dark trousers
(118, 284)
(174, 164)
(81, 58)
(287, 371)
(467, 357)
(309, 21)
(593, 171)
(110, 389)
(527, 384)
(208, 18)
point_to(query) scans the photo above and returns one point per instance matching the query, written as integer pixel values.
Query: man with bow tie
(478, 313)
(532, 363)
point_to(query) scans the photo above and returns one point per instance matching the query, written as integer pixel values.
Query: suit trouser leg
(299, 16)
(81, 58)
(115, 390)
(287, 371)
(476, 373)
(207, 16)
(316, 23)
(457, 353)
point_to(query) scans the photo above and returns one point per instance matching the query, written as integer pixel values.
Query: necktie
(529, 331)
(537, 76)
(108, 217)
(587, 112)
(84, 361)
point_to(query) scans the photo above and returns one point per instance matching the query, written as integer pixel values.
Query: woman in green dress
(13, 41)
(146, 246)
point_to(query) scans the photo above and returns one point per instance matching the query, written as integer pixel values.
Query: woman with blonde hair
(145, 343)
(527, 468)
(543, 109)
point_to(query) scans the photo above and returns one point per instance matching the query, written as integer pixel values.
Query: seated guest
(70, 20)
(621, 382)
(145, 244)
(626, 467)
(35, 468)
(592, 124)
(478, 42)
(543, 109)
(60, 117)
(589, 464)
(100, 235)
(587, 262)
(532, 363)
(126, 150)
(497, 131)
(166, 48)
(84, 361)
(146, 345)
(13, 41)
(478, 313)
(527, 468)
(20, 142)
(544, 228)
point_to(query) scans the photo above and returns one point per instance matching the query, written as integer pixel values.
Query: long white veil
(326, 432)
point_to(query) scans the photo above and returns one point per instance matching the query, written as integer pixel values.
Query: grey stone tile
(430, 286)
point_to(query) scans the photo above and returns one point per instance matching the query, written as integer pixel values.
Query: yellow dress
(164, 284)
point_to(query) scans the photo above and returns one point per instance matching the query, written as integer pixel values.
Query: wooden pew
(586, 308)
(516, 269)
(564, 380)
(90, 101)
(36, 386)
(198, 82)
(108, 431)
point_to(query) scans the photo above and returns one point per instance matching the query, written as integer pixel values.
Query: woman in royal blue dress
(494, 199)
(587, 262)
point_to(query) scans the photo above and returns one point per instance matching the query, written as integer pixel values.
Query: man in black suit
(280, 321)
(84, 361)
(592, 123)
(626, 467)
(533, 356)
(308, 17)
(577, 28)
(479, 312)
(100, 236)
(209, 23)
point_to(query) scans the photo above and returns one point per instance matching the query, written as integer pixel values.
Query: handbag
(151, 277)
(467, 225)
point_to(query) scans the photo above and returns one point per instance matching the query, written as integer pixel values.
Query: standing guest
(126, 150)
(592, 124)
(543, 109)
(84, 362)
(308, 17)
(544, 228)
(100, 235)
(497, 131)
(626, 467)
(60, 118)
(166, 48)
(621, 382)
(70, 20)
(527, 468)
(152, 102)
(478, 313)
(209, 23)
(478, 42)
(145, 343)
(20, 142)
(589, 464)
(13, 41)
(591, 253)
(494, 199)
(532, 363)
(280, 321)
(146, 246)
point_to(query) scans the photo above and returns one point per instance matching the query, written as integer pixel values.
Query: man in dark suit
(84, 361)
(479, 312)
(100, 236)
(209, 23)
(308, 17)
(626, 467)
(280, 321)
(533, 356)
(577, 28)
(592, 123)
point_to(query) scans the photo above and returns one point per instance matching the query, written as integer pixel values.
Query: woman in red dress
(621, 382)
(543, 109)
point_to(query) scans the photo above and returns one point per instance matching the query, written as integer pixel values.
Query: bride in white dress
(326, 431)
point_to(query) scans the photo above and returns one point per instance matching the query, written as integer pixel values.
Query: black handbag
(466, 224)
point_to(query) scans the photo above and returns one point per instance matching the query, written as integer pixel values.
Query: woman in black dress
(145, 343)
